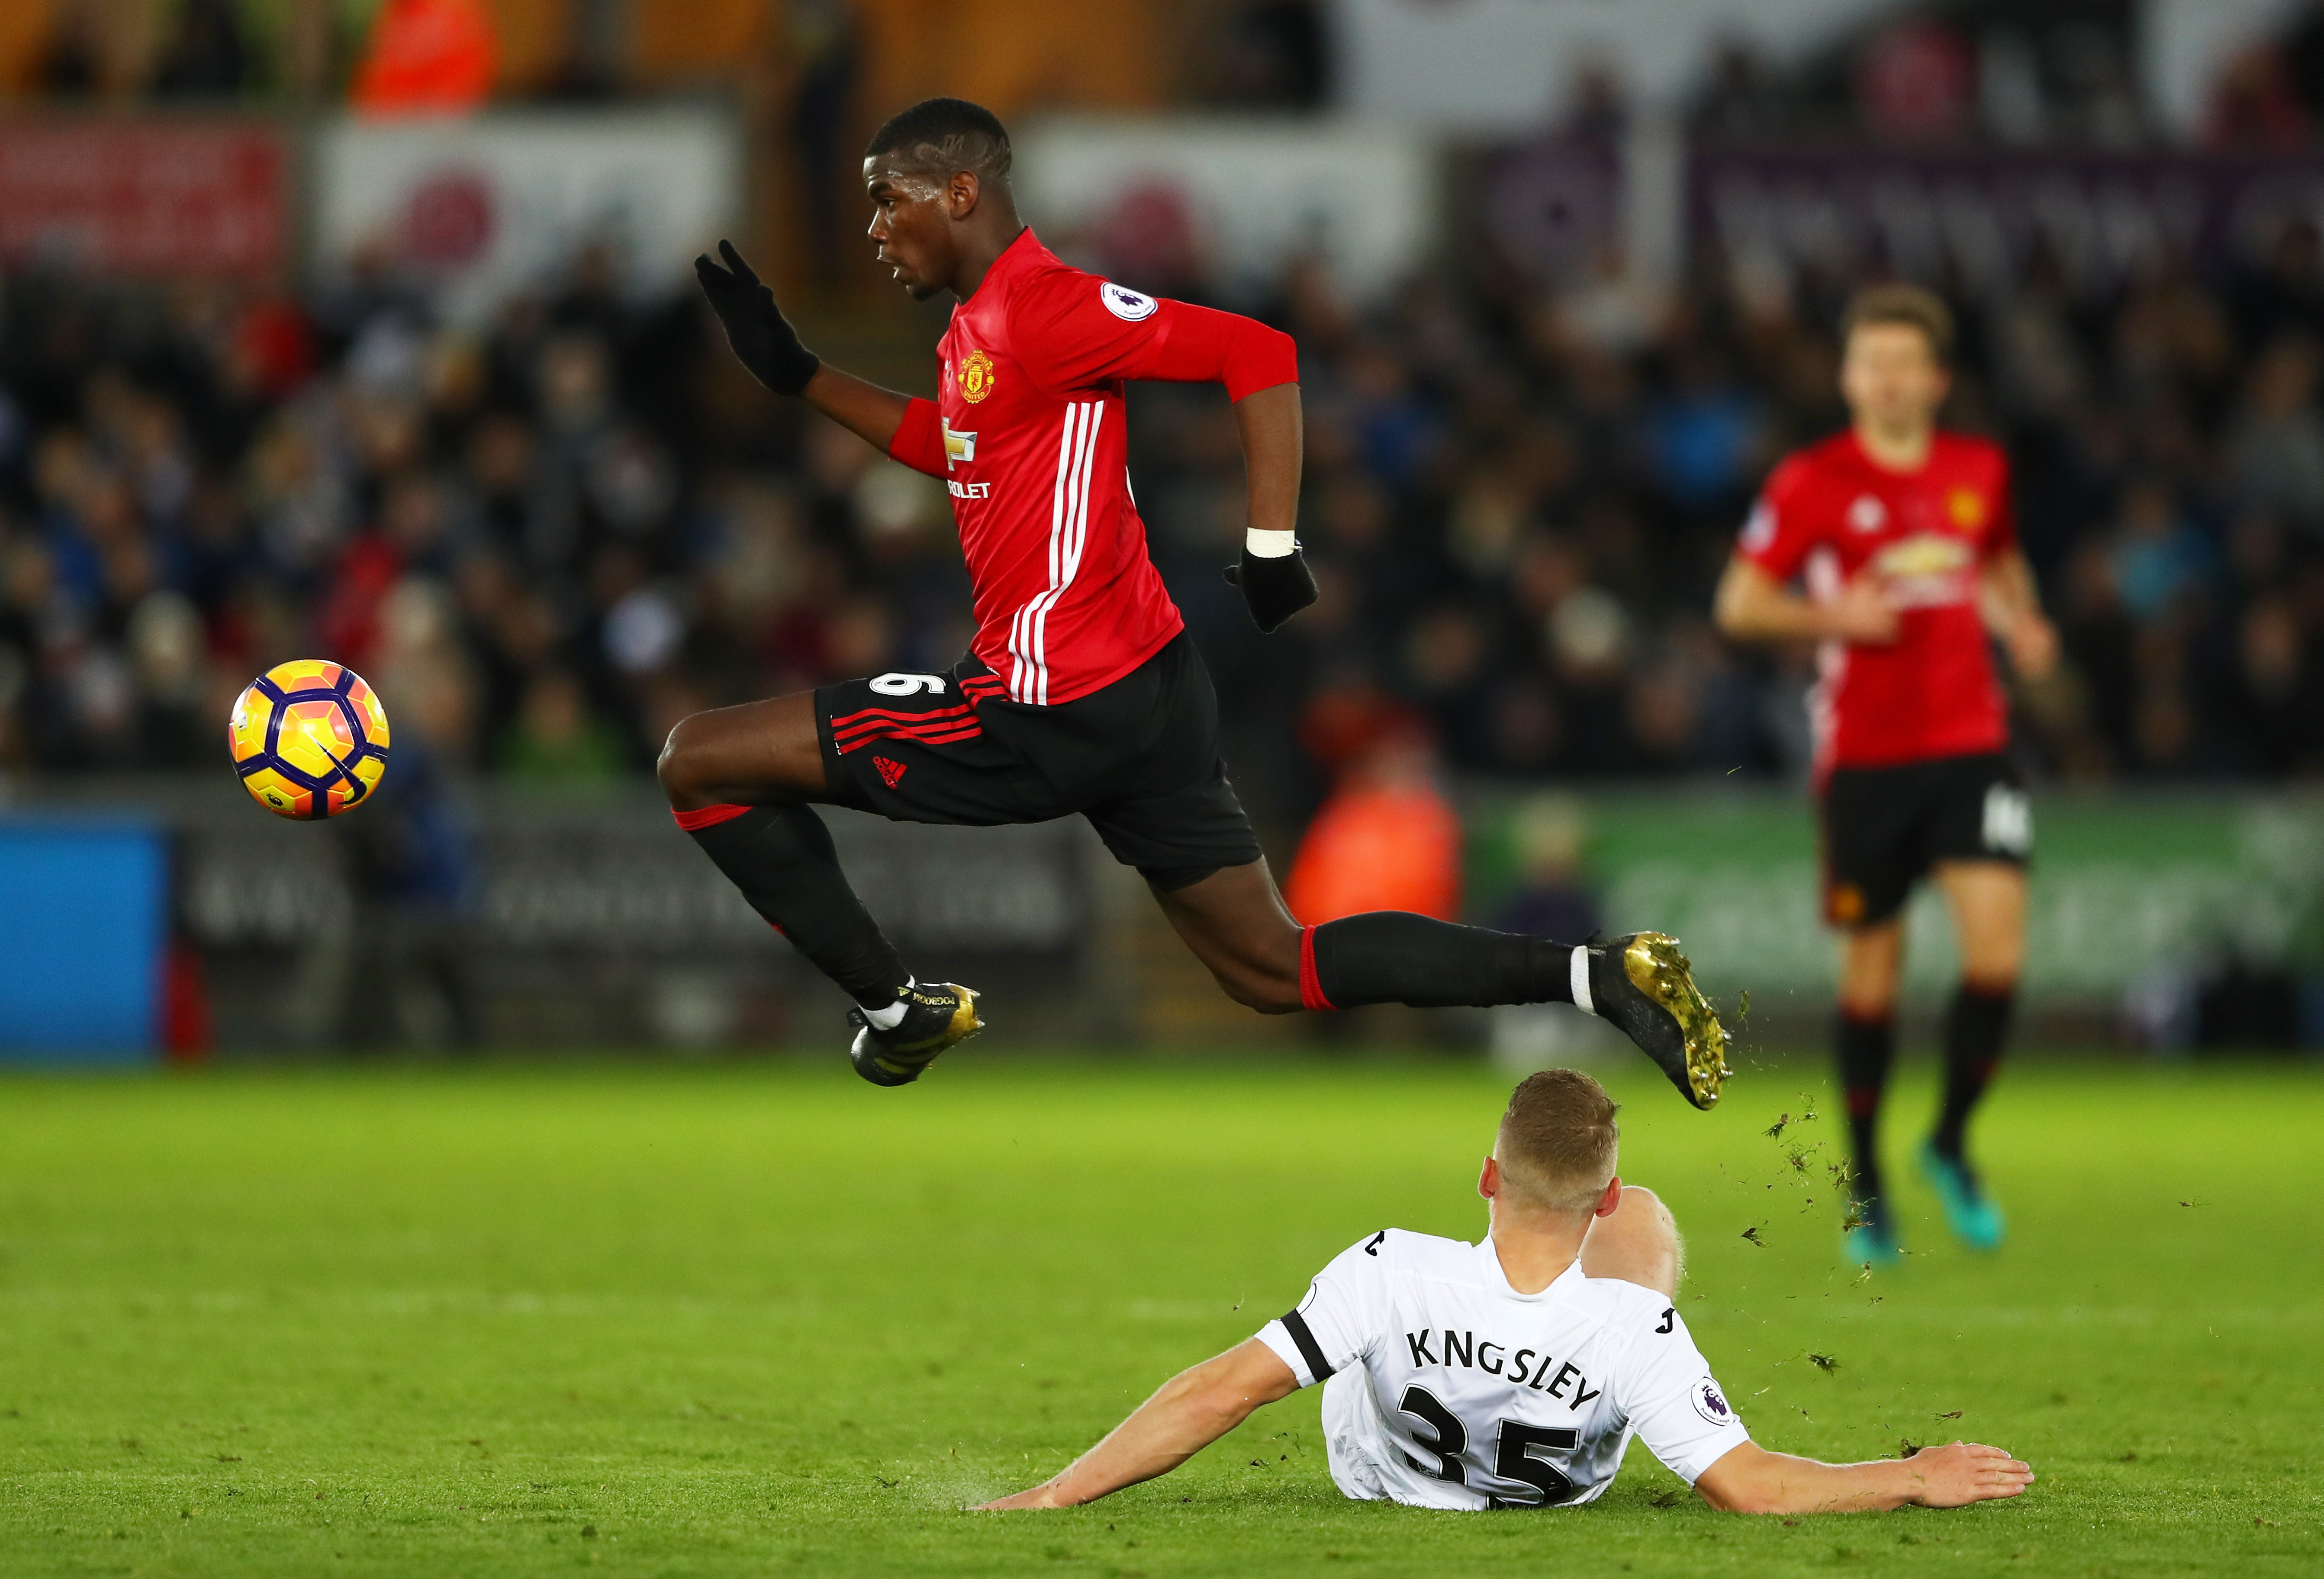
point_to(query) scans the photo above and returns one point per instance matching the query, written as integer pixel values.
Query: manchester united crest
(976, 376)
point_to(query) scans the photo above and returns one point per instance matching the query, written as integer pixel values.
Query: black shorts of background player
(1138, 756)
(1965, 822)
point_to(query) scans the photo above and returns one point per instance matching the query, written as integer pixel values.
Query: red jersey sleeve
(918, 442)
(1778, 534)
(1072, 331)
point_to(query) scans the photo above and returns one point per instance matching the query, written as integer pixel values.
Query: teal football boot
(1872, 1242)
(1975, 1220)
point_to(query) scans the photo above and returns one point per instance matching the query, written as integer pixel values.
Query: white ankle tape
(1582, 982)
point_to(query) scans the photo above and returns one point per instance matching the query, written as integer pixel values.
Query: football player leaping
(1905, 536)
(1513, 1373)
(1080, 692)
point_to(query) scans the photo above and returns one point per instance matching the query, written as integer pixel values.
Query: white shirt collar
(1563, 1283)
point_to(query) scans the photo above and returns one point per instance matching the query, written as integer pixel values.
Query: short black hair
(943, 135)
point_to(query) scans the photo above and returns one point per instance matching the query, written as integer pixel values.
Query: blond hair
(1912, 305)
(1558, 1140)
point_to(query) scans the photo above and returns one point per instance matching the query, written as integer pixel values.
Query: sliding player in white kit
(1513, 1373)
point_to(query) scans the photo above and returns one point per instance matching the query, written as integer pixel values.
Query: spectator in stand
(556, 741)
(2256, 108)
(426, 57)
(206, 56)
(1548, 835)
(2275, 446)
(1386, 839)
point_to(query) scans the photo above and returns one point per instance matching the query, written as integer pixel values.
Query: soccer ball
(309, 738)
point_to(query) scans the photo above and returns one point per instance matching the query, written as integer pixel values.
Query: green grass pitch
(766, 1319)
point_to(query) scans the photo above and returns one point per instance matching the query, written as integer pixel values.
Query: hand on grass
(1966, 1472)
(1044, 1495)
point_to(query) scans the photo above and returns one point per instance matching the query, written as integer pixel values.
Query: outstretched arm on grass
(1191, 1411)
(1751, 1480)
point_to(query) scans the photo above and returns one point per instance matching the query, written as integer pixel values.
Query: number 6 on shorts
(907, 685)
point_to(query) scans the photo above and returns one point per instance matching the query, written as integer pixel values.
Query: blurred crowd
(543, 543)
(548, 536)
(546, 540)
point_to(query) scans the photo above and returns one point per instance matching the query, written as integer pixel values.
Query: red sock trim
(707, 817)
(1863, 1101)
(1311, 991)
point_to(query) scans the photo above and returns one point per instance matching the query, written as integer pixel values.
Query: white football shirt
(1446, 1387)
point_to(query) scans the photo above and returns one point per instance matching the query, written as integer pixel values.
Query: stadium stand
(553, 540)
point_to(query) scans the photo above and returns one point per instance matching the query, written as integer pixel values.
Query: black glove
(1275, 589)
(763, 339)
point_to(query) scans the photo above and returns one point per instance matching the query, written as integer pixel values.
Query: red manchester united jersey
(1026, 432)
(1830, 513)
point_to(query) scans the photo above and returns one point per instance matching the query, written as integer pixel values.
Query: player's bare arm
(1186, 1415)
(1751, 1480)
(1751, 605)
(1203, 1403)
(1272, 573)
(2010, 601)
(1273, 445)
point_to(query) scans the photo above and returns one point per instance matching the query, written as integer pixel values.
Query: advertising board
(481, 207)
(1248, 195)
(137, 196)
(2125, 888)
(1980, 217)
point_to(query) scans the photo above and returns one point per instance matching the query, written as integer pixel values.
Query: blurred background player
(1905, 537)
(1082, 692)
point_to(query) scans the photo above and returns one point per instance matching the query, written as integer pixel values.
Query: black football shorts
(1882, 828)
(1140, 758)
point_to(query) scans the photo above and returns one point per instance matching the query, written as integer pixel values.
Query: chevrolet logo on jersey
(1926, 570)
(959, 447)
(1924, 554)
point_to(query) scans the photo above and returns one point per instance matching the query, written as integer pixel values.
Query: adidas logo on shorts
(890, 769)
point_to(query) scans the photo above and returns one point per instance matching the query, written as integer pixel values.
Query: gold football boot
(1644, 984)
(937, 1016)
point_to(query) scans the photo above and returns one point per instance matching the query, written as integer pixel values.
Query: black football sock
(1866, 1046)
(782, 859)
(1394, 957)
(1974, 1029)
